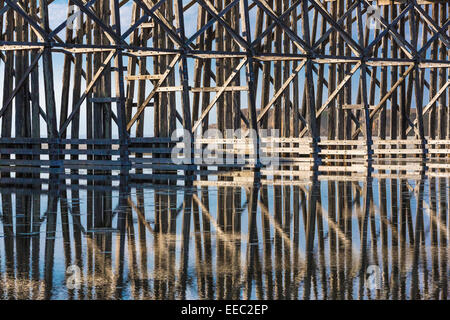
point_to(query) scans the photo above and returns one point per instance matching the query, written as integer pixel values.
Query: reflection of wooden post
(142, 235)
(77, 236)
(228, 224)
(66, 234)
(433, 212)
(423, 253)
(52, 220)
(332, 239)
(416, 253)
(172, 230)
(443, 209)
(404, 203)
(394, 242)
(237, 236)
(367, 208)
(278, 241)
(8, 231)
(207, 246)
(22, 242)
(348, 235)
(35, 242)
(198, 252)
(90, 225)
(220, 245)
(287, 232)
(267, 246)
(252, 242)
(321, 249)
(157, 283)
(133, 270)
(341, 245)
(384, 234)
(313, 198)
(185, 239)
(120, 237)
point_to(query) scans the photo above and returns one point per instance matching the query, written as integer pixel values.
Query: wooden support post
(243, 8)
(331, 113)
(418, 92)
(443, 109)
(187, 125)
(47, 66)
(120, 94)
(312, 122)
(67, 69)
(367, 118)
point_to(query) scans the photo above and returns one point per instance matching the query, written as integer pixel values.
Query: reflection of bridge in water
(277, 238)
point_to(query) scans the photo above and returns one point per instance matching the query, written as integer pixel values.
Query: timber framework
(348, 85)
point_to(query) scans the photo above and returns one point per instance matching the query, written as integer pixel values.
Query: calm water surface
(370, 239)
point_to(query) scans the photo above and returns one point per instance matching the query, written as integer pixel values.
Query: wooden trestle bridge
(348, 84)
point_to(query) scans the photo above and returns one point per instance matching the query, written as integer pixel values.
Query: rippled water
(328, 239)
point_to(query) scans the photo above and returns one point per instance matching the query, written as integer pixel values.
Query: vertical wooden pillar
(403, 98)
(383, 86)
(277, 70)
(443, 109)
(417, 88)
(8, 84)
(394, 77)
(331, 124)
(286, 98)
(78, 66)
(220, 77)
(236, 95)
(367, 121)
(120, 93)
(47, 66)
(187, 124)
(245, 27)
(309, 87)
(67, 69)
(296, 84)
